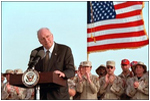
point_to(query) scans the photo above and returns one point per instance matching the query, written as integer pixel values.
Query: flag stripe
(115, 21)
(117, 46)
(129, 9)
(118, 40)
(120, 2)
(111, 36)
(118, 31)
(112, 26)
(126, 4)
(128, 14)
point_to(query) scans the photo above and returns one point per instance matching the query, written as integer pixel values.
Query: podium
(45, 77)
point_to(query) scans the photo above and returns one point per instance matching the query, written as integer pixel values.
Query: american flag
(115, 25)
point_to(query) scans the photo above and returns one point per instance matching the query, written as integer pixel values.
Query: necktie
(46, 60)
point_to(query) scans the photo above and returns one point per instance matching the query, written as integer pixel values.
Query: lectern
(44, 78)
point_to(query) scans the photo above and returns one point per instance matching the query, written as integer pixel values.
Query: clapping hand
(111, 79)
(136, 84)
(9, 88)
(107, 78)
(79, 75)
(88, 76)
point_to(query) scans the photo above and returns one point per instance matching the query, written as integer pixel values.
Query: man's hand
(88, 76)
(111, 79)
(106, 80)
(79, 75)
(61, 74)
(8, 88)
(17, 89)
(136, 84)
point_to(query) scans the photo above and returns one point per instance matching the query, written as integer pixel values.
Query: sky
(20, 22)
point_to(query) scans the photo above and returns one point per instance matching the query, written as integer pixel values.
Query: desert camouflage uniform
(29, 94)
(142, 92)
(88, 90)
(124, 78)
(12, 95)
(77, 95)
(21, 92)
(2, 85)
(71, 85)
(112, 91)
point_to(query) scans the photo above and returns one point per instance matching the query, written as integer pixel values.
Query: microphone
(40, 55)
(33, 54)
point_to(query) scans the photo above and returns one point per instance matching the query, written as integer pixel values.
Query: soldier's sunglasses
(109, 67)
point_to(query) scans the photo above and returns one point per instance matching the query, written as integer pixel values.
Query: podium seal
(30, 78)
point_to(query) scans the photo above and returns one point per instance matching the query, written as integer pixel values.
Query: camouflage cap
(18, 71)
(86, 63)
(8, 71)
(81, 63)
(110, 63)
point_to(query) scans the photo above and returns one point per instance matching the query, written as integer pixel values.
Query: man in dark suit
(60, 60)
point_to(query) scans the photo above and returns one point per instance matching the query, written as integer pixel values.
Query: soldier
(29, 94)
(111, 86)
(88, 84)
(79, 72)
(8, 91)
(2, 80)
(101, 71)
(138, 87)
(126, 73)
(21, 92)
(72, 86)
(132, 64)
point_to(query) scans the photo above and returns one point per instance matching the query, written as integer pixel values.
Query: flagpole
(87, 56)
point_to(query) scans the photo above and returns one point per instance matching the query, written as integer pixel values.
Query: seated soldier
(8, 91)
(21, 92)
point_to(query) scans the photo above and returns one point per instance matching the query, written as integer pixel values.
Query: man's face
(139, 70)
(102, 71)
(86, 69)
(2, 78)
(81, 70)
(7, 77)
(110, 70)
(125, 67)
(45, 38)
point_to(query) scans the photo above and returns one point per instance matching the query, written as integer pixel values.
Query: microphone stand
(39, 56)
(37, 90)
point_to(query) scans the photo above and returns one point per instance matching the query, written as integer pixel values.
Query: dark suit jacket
(62, 60)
